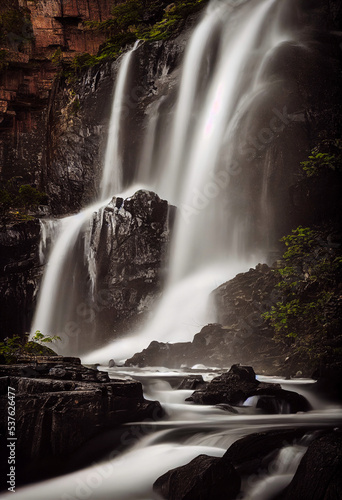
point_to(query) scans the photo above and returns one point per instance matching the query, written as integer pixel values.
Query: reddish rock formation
(59, 23)
(27, 73)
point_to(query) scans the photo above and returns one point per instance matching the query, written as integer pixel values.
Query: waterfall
(205, 169)
(62, 290)
(111, 182)
(203, 185)
(209, 243)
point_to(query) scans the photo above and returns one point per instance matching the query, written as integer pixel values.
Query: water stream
(186, 431)
(205, 169)
(223, 71)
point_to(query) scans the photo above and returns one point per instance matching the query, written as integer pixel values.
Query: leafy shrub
(16, 196)
(13, 348)
(307, 316)
(327, 156)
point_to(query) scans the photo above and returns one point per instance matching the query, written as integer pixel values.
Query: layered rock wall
(20, 273)
(28, 73)
(59, 406)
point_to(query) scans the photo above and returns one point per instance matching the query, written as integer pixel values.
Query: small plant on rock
(15, 347)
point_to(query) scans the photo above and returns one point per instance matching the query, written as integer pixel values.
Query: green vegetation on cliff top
(132, 20)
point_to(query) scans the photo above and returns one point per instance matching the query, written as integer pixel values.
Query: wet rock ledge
(60, 405)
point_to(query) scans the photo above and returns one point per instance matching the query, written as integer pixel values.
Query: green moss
(131, 21)
(173, 20)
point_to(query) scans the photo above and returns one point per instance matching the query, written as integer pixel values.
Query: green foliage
(307, 316)
(40, 338)
(57, 56)
(29, 197)
(172, 21)
(14, 196)
(132, 20)
(128, 14)
(325, 157)
(13, 348)
(300, 242)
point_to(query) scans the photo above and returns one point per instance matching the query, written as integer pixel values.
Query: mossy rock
(36, 349)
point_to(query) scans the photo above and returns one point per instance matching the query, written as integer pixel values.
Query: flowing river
(149, 449)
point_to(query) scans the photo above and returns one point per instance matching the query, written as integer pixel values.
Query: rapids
(154, 447)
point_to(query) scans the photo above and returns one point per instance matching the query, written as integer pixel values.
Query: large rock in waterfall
(130, 242)
(319, 475)
(202, 479)
(239, 383)
(60, 405)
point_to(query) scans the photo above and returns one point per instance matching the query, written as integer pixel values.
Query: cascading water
(224, 74)
(209, 243)
(62, 290)
(210, 144)
(154, 447)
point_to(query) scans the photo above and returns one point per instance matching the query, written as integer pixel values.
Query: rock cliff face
(27, 75)
(132, 248)
(20, 273)
(60, 405)
(78, 120)
(240, 335)
(57, 23)
(111, 290)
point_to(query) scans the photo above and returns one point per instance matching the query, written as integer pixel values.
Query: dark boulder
(191, 382)
(208, 348)
(253, 453)
(329, 381)
(202, 479)
(319, 474)
(161, 354)
(232, 387)
(277, 401)
(237, 385)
